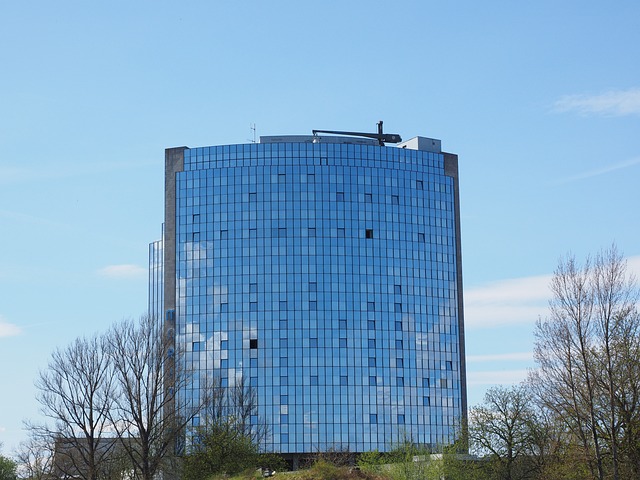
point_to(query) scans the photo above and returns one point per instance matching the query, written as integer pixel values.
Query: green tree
(8, 468)
(228, 437)
(457, 464)
(219, 449)
(502, 430)
(410, 461)
(371, 462)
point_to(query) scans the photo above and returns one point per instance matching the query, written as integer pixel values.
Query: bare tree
(75, 392)
(627, 399)
(244, 408)
(586, 352)
(35, 457)
(150, 415)
(615, 298)
(564, 352)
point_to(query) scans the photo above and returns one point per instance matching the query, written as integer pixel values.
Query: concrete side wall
(451, 170)
(173, 163)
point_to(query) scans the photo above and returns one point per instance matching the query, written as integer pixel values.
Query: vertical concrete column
(451, 170)
(173, 163)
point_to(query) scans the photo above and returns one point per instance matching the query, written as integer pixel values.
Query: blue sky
(541, 101)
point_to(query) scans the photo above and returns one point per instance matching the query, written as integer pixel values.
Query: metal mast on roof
(381, 137)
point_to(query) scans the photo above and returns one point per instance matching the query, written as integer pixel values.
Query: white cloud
(496, 377)
(513, 301)
(8, 329)
(501, 357)
(514, 289)
(612, 103)
(633, 265)
(123, 271)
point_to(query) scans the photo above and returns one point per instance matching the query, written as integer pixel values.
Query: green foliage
(506, 430)
(325, 470)
(420, 469)
(456, 464)
(406, 451)
(227, 441)
(272, 461)
(337, 455)
(7, 468)
(371, 461)
(410, 461)
(218, 450)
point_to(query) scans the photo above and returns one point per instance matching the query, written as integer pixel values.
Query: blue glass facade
(327, 275)
(156, 282)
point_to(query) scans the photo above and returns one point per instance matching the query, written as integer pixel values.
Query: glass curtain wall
(324, 275)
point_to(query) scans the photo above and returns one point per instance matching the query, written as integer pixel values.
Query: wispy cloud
(8, 329)
(513, 301)
(501, 357)
(496, 377)
(603, 170)
(614, 103)
(123, 271)
(30, 219)
(55, 171)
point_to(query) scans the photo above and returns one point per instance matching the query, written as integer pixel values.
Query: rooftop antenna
(381, 137)
(252, 127)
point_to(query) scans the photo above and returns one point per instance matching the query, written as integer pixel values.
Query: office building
(326, 272)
